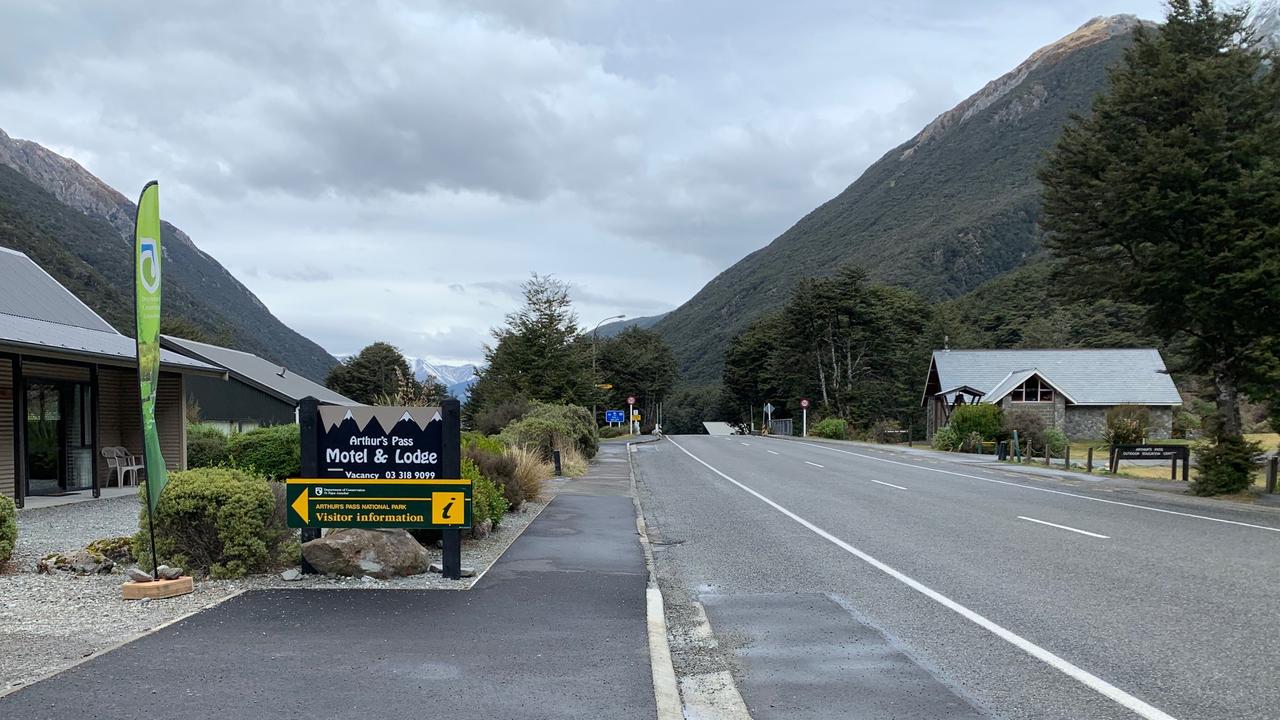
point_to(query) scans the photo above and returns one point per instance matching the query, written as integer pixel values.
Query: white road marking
(1084, 677)
(1046, 490)
(771, 452)
(747, 444)
(1064, 527)
(880, 482)
(806, 462)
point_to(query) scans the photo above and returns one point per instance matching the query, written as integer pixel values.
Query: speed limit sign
(804, 402)
(631, 399)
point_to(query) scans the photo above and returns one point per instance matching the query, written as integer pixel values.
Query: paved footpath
(556, 629)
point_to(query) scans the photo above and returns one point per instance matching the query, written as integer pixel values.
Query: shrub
(273, 452)
(982, 418)
(1127, 424)
(572, 463)
(1186, 424)
(206, 446)
(946, 438)
(8, 528)
(881, 431)
(118, 549)
(1030, 426)
(484, 442)
(500, 470)
(530, 472)
(1225, 466)
(611, 431)
(554, 427)
(831, 428)
(221, 522)
(487, 502)
(494, 419)
(1057, 441)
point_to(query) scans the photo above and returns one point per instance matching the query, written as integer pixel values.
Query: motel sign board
(380, 467)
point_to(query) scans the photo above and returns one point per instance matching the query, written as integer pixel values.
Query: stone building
(1071, 389)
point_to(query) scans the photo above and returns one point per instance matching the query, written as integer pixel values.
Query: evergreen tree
(1168, 197)
(637, 362)
(538, 354)
(377, 372)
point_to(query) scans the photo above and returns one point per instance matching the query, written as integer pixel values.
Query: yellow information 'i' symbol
(448, 508)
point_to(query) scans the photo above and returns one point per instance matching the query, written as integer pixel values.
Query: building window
(1033, 390)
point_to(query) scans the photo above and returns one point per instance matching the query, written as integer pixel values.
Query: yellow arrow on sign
(301, 507)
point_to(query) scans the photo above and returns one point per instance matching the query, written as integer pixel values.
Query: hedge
(221, 522)
(8, 528)
(984, 419)
(206, 447)
(273, 452)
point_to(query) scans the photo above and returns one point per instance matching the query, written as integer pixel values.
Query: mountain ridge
(952, 207)
(97, 229)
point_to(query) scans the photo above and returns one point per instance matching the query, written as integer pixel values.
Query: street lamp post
(595, 378)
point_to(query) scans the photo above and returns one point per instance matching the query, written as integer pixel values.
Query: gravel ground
(48, 622)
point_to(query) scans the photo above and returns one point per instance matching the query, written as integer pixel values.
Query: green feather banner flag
(147, 258)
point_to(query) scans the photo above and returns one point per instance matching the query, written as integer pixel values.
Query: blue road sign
(615, 416)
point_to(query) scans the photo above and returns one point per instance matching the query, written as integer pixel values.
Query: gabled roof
(1086, 377)
(27, 291)
(252, 370)
(1016, 378)
(41, 317)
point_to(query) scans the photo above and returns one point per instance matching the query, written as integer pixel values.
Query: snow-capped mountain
(447, 374)
(458, 378)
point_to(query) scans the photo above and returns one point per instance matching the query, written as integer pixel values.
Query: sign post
(804, 417)
(631, 415)
(1173, 453)
(382, 467)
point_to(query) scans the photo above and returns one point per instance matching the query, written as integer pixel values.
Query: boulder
(355, 552)
(169, 573)
(291, 575)
(139, 575)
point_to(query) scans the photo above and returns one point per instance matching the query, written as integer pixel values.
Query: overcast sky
(394, 170)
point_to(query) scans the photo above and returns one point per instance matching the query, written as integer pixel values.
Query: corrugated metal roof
(25, 334)
(26, 290)
(1091, 377)
(250, 368)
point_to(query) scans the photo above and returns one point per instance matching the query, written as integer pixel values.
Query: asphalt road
(555, 629)
(1015, 597)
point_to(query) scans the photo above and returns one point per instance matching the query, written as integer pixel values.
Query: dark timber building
(256, 392)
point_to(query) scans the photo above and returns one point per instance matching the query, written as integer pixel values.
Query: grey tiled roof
(26, 290)
(37, 313)
(22, 334)
(1088, 377)
(263, 374)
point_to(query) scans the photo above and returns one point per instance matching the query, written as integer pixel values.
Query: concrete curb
(666, 691)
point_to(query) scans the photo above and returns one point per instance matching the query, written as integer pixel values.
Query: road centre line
(806, 462)
(1045, 490)
(1064, 527)
(881, 482)
(772, 452)
(1093, 682)
(745, 443)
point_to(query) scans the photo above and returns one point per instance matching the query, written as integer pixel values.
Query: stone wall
(1090, 422)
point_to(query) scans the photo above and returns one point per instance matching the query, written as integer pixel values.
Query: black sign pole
(309, 427)
(1186, 464)
(451, 468)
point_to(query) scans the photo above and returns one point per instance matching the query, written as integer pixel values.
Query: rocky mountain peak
(1097, 30)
